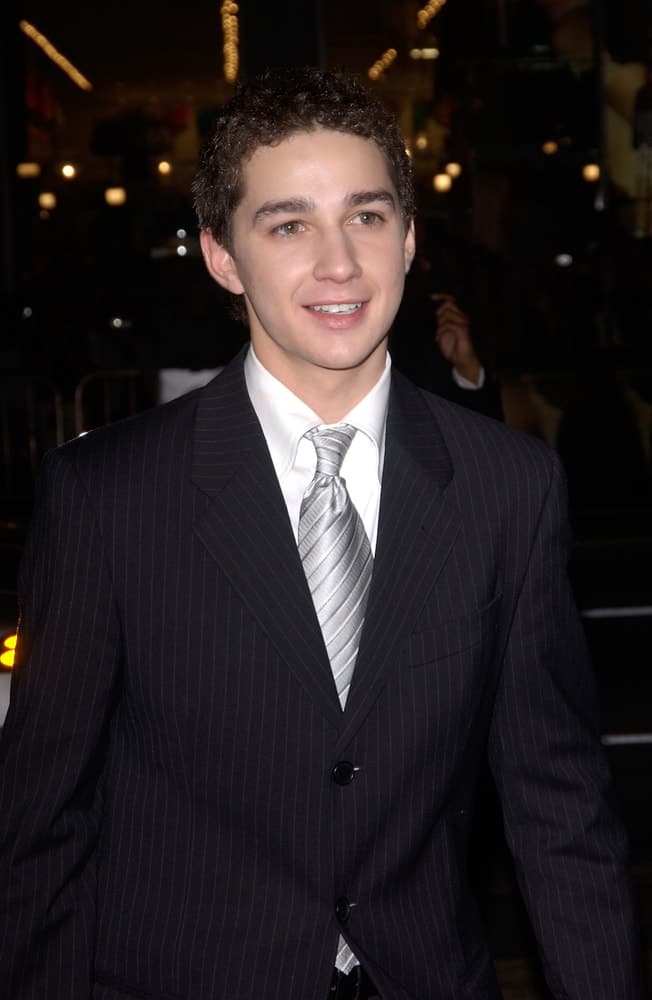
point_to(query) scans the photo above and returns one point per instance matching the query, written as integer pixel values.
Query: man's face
(320, 253)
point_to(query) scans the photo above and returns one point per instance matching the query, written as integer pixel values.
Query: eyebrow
(365, 197)
(286, 207)
(290, 206)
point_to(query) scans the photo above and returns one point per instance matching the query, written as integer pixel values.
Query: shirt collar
(285, 418)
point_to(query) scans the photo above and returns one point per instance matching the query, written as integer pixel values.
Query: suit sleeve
(52, 750)
(557, 798)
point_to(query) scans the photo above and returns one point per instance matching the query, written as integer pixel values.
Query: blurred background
(529, 123)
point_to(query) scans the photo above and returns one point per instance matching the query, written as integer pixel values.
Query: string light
(591, 172)
(69, 171)
(453, 169)
(230, 33)
(382, 64)
(550, 147)
(426, 14)
(47, 199)
(52, 53)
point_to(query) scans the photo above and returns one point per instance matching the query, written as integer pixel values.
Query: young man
(271, 631)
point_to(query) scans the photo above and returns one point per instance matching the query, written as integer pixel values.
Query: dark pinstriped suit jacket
(169, 824)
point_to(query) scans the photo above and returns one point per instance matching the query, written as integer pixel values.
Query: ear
(220, 263)
(409, 246)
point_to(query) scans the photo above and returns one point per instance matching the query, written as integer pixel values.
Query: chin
(350, 355)
(350, 364)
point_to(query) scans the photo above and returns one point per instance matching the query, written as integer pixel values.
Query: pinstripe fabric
(169, 827)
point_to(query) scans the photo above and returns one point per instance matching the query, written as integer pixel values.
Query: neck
(331, 393)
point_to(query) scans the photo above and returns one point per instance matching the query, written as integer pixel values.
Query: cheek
(395, 278)
(275, 276)
(256, 286)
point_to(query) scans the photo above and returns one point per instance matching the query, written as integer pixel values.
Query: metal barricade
(31, 422)
(103, 397)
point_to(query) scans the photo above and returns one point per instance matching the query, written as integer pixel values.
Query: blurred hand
(454, 337)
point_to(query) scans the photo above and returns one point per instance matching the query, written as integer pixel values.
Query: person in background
(431, 339)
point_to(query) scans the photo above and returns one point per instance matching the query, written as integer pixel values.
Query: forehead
(321, 159)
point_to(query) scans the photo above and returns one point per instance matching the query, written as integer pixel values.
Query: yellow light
(164, 167)
(550, 147)
(426, 14)
(442, 182)
(453, 169)
(381, 64)
(415, 53)
(230, 34)
(57, 58)
(47, 199)
(69, 171)
(8, 655)
(421, 142)
(591, 172)
(28, 169)
(115, 196)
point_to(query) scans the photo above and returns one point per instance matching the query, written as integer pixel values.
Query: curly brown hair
(279, 103)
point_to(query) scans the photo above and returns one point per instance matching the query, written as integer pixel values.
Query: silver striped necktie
(336, 554)
(337, 560)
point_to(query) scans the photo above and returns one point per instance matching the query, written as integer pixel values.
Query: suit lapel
(419, 520)
(247, 531)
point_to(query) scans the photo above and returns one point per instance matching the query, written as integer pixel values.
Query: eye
(367, 218)
(290, 228)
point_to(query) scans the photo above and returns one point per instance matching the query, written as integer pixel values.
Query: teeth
(340, 307)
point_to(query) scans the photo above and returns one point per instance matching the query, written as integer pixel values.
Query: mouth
(337, 308)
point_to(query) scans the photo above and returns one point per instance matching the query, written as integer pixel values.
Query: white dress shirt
(466, 383)
(285, 419)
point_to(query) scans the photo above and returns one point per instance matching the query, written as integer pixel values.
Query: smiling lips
(338, 308)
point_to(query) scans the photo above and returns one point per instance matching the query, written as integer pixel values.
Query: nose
(336, 258)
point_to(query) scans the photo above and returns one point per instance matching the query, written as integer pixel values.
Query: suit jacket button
(342, 909)
(343, 773)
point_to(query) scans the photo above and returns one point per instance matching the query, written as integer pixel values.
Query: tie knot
(331, 445)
